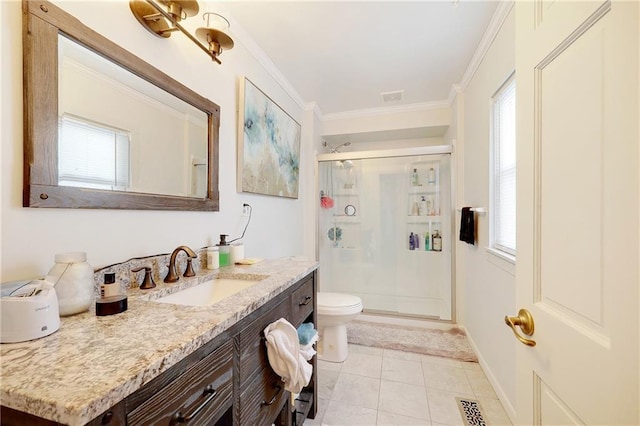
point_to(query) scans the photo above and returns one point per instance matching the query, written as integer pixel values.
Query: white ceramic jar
(74, 282)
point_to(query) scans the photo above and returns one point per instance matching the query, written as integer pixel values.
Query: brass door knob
(524, 320)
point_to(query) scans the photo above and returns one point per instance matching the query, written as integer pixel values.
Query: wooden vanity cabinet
(234, 365)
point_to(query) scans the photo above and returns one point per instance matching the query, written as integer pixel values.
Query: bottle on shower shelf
(414, 177)
(437, 241)
(412, 244)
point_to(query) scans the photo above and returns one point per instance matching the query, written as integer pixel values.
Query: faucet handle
(188, 272)
(147, 282)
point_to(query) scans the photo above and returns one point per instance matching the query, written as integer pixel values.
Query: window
(503, 168)
(92, 155)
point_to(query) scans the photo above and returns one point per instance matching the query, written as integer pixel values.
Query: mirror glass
(103, 129)
(117, 131)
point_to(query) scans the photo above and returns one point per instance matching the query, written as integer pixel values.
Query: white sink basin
(207, 293)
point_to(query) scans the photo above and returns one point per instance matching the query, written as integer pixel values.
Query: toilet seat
(338, 304)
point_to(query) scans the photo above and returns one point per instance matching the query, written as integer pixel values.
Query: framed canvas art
(268, 145)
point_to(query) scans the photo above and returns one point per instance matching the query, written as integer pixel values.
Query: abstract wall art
(268, 145)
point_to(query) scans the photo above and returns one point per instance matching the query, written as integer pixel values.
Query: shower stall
(385, 231)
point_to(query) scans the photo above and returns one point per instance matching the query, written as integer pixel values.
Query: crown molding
(501, 13)
(371, 112)
(247, 41)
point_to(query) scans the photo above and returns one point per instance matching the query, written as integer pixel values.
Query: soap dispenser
(224, 248)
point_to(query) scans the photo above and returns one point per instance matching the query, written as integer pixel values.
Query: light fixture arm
(175, 25)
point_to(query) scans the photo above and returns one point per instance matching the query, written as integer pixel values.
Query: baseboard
(502, 396)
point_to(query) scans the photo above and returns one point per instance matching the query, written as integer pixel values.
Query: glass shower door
(385, 233)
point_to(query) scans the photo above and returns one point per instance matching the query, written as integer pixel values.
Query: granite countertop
(91, 363)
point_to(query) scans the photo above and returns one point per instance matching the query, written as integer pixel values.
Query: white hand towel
(283, 351)
(307, 350)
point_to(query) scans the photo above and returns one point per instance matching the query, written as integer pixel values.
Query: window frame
(496, 246)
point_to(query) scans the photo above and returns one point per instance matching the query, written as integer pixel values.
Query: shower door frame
(397, 153)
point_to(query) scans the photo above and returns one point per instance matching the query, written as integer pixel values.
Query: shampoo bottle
(414, 177)
(427, 246)
(412, 245)
(437, 241)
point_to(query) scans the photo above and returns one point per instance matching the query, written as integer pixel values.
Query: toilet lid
(338, 300)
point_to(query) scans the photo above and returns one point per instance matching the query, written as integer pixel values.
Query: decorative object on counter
(109, 287)
(74, 282)
(248, 261)
(335, 235)
(467, 226)
(326, 202)
(224, 249)
(28, 310)
(162, 22)
(236, 252)
(268, 145)
(283, 351)
(213, 258)
(147, 281)
(111, 305)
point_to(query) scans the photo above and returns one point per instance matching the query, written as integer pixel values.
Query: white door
(577, 204)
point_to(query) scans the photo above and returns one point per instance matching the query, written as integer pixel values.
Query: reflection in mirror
(87, 100)
(119, 132)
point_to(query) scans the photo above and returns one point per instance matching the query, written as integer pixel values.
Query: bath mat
(451, 343)
(471, 412)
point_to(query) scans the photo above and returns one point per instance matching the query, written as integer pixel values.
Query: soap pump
(224, 250)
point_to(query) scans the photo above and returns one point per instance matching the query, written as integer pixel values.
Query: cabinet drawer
(253, 349)
(263, 399)
(302, 302)
(204, 392)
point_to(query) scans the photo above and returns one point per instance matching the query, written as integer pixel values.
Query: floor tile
(392, 419)
(363, 364)
(449, 379)
(444, 407)
(404, 399)
(399, 370)
(330, 366)
(365, 349)
(494, 411)
(408, 356)
(326, 383)
(341, 414)
(447, 362)
(480, 384)
(322, 408)
(357, 390)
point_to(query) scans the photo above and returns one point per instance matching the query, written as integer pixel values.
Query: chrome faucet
(172, 276)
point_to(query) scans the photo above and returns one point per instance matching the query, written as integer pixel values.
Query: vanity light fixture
(164, 19)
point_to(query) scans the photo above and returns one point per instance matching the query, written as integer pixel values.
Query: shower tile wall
(364, 237)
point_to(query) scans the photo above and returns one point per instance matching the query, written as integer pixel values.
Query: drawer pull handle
(306, 301)
(278, 389)
(178, 417)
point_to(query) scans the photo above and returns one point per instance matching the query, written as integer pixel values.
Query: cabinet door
(262, 400)
(201, 395)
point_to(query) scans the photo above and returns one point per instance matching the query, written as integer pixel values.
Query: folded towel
(467, 226)
(307, 350)
(283, 351)
(305, 332)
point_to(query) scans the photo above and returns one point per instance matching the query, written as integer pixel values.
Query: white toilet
(335, 310)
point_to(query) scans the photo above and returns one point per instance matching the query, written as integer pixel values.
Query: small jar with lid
(74, 282)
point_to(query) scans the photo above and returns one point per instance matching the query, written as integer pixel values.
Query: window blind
(504, 169)
(91, 155)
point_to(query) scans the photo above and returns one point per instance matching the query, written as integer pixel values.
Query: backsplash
(159, 265)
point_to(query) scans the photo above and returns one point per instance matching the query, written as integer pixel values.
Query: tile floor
(375, 386)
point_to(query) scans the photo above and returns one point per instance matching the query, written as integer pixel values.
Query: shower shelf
(423, 219)
(423, 189)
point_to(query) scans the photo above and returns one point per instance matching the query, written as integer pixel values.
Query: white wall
(31, 237)
(486, 282)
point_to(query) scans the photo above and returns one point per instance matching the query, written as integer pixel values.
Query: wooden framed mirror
(159, 136)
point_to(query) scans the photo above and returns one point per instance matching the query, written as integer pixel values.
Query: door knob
(524, 320)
